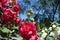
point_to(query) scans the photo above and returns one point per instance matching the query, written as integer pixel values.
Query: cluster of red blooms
(28, 31)
(9, 10)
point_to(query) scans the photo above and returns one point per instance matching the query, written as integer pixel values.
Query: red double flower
(3, 3)
(16, 8)
(28, 31)
(8, 15)
(17, 21)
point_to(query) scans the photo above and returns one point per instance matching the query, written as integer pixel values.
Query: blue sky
(26, 6)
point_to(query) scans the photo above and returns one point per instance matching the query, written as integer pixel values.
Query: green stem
(28, 18)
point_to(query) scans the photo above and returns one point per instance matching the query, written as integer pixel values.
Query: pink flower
(0, 5)
(0, 0)
(17, 22)
(8, 15)
(4, 3)
(34, 37)
(15, 2)
(27, 30)
(16, 8)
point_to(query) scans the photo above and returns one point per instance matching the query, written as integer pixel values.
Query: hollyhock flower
(17, 22)
(34, 37)
(16, 8)
(0, 0)
(27, 30)
(8, 16)
(4, 3)
(15, 2)
(0, 5)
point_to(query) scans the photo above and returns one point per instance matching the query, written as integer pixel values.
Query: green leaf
(14, 27)
(39, 33)
(50, 38)
(17, 35)
(5, 30)
(0, 28)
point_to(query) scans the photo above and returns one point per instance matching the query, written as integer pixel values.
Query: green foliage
(52, 32)
(50, 38)
(7, 34)
(5, 30)
(42, 25)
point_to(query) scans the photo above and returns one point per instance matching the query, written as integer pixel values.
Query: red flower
(17, 22)
(4, 3)
(8, 15)
(0, 0)
(15, 2)
(27, 30)
(16, 8)
(34, 37)
(0, 5)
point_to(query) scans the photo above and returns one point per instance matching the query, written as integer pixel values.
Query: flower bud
(32, 19)
(28, 14)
